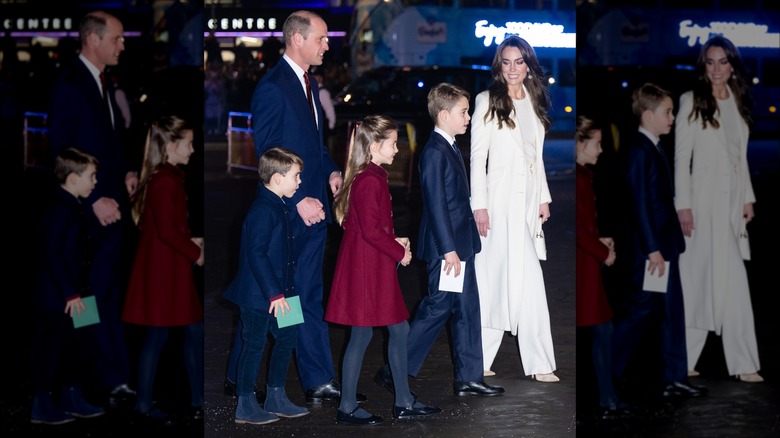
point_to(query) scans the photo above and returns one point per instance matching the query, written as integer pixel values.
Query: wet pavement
(528, 408)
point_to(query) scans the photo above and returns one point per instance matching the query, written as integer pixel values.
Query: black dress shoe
(155, 416)
(476, 388)
(351, 418)
(683, 389)
(121, 395)
(230, 389)
(385, 380)
(411, 411)
(329, 391)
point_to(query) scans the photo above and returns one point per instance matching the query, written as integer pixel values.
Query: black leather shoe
(121, 395)
(351, 418)
(329, 391)
(385, 380)
(476, 388)
(684, 389)
(411, 411)
(155, 416)
(230, 389)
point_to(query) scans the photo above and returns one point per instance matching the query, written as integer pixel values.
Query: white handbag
(744, 241)
(539, 245)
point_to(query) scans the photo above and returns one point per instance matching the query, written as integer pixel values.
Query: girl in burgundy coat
(365, 291)
(161, 292)
(593, 309)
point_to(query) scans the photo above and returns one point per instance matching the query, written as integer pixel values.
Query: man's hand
(106, 210)
(131, 182)
(482, 219)
(311, 211)
(336, 181)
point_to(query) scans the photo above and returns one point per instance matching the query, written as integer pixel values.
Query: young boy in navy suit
(63, 280)
(656, 238)
(448, 236)
(264, 281)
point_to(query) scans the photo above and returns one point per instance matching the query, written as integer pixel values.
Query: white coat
(498, 184)
(705, 183)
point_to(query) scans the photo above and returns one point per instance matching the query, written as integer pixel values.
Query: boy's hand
(75, 306)
(656, 262)
(279, 305)
(451, 260)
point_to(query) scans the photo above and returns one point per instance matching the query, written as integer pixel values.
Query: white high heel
(488, 373)
(547, 378)
(693, 373)
(750, 378)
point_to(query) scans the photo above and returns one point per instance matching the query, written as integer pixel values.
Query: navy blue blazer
(267, 257)
(654, 225)
(447, 220)
(64, 259)
(78, 118)
(281, 117)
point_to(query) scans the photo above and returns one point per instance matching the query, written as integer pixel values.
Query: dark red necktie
(308, 94)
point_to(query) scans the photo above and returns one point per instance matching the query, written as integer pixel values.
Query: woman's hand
(483, 221)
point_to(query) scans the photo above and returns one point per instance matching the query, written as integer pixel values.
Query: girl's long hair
(372, 129)
(501, 106)
(165, 130)
(705, 106)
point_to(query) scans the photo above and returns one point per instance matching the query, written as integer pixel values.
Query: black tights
(353, 361)
(150, 357)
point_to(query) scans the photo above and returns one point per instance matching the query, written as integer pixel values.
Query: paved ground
(528, 408)
(732, 409)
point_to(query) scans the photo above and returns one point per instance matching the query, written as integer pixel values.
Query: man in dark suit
(448, 236)
(286, 112)
(84, 114)
(656, 239)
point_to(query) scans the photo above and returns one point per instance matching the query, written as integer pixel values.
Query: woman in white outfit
(510, 199)
(714, 199)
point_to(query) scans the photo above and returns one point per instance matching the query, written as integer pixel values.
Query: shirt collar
(450, 139)
(652, 137)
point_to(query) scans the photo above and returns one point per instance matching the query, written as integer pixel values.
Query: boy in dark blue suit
(265, 279)
(448, 235)
(58, 347)
(656, 238)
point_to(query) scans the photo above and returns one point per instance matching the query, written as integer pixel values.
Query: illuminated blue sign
(741, 34)
(537, 34)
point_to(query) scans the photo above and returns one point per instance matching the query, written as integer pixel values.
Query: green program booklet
(89, 315)
(292, 317)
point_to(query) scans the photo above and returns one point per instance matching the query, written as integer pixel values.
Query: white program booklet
(451, 283)
(654, 283)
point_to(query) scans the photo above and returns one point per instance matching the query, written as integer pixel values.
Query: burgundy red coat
(161, 291)
(365, 288)
(592, 304)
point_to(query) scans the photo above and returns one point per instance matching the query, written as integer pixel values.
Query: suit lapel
(292, 85)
